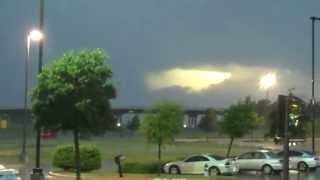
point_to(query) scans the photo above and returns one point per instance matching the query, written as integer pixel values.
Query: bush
(90, 158)
(135, 167)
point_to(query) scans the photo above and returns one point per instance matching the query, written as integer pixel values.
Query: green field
(134, 148)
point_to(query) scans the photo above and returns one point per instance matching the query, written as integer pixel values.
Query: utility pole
(37, 173)
(313, 19)
(283, 118)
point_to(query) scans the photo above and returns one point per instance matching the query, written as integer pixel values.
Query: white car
(301, 160)
(201, 164)
(262, 160)
(9, 174)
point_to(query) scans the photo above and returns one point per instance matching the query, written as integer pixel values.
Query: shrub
(90, 158)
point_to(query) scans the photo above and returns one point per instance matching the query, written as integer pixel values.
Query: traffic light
(294, 112)
(291, 107)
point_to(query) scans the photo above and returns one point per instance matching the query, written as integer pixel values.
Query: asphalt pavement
(294, 175)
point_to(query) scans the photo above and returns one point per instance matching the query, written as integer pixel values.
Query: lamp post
(313, 19)
(36, 36)
(37, 173)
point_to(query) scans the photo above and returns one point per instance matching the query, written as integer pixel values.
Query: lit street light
(118, 124)
(268, 81)
(36, 36)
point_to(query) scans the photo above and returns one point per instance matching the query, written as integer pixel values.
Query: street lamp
(36, 36)
(267, 81)
(37, 172)
(118, 124)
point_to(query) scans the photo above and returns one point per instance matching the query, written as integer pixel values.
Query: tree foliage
(134, 124)
(73, 94)
(239, 120)
(75, 91)
(162, 122)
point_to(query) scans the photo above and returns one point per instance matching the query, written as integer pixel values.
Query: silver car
(200, 164)
(301, 160)
(9, 174)
(262, 160)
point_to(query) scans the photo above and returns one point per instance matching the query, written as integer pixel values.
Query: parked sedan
(262, 160)
(9, 174)
(301, 160)
(198, 164)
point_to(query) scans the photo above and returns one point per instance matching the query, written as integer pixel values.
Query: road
(294, 175)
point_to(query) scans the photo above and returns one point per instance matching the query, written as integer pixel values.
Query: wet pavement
(294, 175)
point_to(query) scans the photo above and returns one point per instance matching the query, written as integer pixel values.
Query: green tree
(238, 121)
(134, 124)
(73, 94)
(161, 123)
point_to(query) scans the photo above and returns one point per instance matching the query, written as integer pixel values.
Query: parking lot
(294, 175)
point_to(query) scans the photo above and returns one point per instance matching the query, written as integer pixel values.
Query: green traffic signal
(294, 114)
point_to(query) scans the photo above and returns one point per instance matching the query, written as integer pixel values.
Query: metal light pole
(23, 155)
(313, 19)
(37, 173)
(286, 139)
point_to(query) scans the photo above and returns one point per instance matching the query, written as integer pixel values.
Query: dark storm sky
(144, 37)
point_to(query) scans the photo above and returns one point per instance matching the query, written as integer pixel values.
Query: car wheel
(213, 171)
(267, 169)
(174, 170)
(277, 172)
(302, 167)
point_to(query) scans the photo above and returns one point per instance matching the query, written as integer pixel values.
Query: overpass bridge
(192, 116)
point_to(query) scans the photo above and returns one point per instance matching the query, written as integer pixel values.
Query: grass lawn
(134, 148)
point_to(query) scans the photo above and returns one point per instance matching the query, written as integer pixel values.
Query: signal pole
(313, 19)
(283, 119)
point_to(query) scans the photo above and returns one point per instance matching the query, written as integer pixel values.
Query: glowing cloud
(193, 79)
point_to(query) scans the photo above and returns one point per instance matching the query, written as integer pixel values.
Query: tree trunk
(159, 158)
(229, 148)
(77, 153)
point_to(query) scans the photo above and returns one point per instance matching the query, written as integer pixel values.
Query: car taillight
(227, 163)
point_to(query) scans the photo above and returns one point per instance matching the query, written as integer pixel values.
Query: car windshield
(219, 158)
(272, 155)
(308, 153)
(8, 177)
